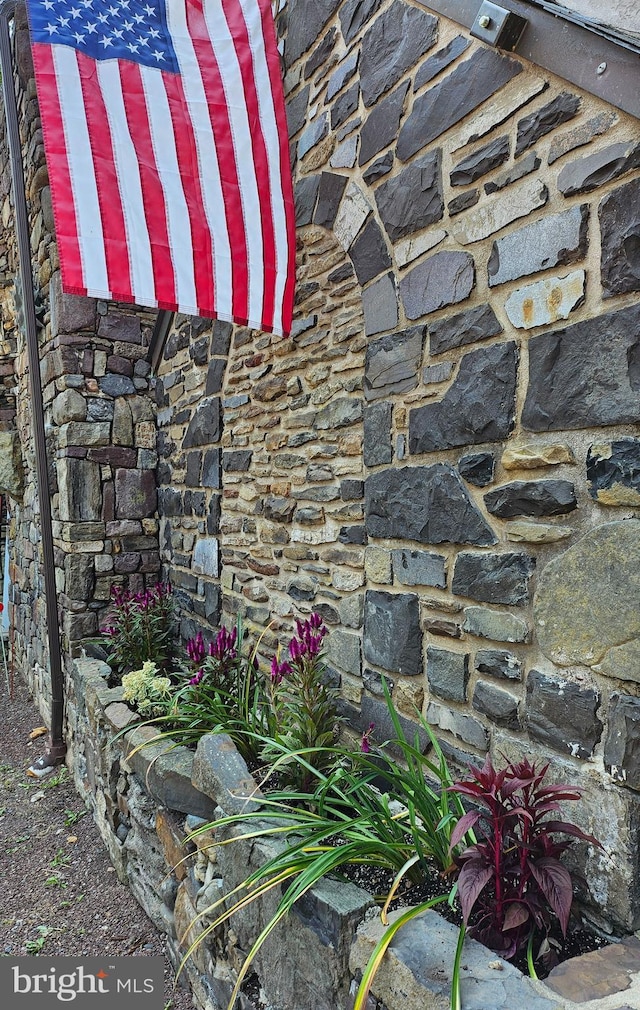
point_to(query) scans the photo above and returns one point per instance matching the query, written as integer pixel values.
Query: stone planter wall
(145, 801)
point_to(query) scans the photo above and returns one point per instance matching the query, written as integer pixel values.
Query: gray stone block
(392, 363)
(165, 770)
(562, 714)
(377, 446)
(458, 94)
(429, 504)
(435, 64)
(204, 426)
(622, 745)
(395, 42)
(496, 625)
(499, 705)
(536, 125)
(380, 305)
(447, 673)
(392, 636)
(532, 498)
(445, 278)
(380, 128)
(493, 578)
(419, 568)
(619, 215)
(412, 200)
(369, 253)
(596, 169)
(468, 327)
(221, 774)
(484, 160)
(556, 239)
(478, 407)
(499, 664)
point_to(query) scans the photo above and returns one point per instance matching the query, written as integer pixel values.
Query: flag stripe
(165, 156)
(106, 177)
(190, 177)
(167, 146)
(240, 36)
(62, 195)
(282, 183)
(237, 167)
(276, 133)
(129, 182)
(230, 229)
(151, 193)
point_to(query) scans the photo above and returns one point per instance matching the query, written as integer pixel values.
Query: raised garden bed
(146, 799)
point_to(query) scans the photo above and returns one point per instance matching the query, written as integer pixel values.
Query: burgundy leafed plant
(511, 881)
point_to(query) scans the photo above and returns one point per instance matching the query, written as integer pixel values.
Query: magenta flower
(309, 639)
(197, 677)
(278, 671)
(365, 746)
(224, 646)
(195, 648)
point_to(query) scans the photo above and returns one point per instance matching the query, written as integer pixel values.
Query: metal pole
(57, 748)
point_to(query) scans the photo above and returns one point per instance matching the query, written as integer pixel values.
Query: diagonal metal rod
(57, 745)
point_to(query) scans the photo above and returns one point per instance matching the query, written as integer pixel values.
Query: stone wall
(443, 458)
(100, 427)
(148, 797)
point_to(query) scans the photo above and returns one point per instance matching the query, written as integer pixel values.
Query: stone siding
(442, 458)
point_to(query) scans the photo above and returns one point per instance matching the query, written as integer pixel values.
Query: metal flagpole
(57, 748)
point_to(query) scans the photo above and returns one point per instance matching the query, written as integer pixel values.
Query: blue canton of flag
(107, 29)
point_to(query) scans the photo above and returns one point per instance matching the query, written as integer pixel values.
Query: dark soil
(558, 948)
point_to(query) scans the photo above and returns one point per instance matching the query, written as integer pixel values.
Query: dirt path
(60, 894)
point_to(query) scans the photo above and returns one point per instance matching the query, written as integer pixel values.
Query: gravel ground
(60, 893)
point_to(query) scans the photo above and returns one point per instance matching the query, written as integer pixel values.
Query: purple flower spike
(364, 744)
(195, 680)
(278, 671)
(195, 648)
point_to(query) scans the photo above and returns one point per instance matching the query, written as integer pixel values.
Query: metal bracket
(498, 27)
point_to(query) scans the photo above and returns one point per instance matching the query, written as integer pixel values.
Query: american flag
(166, 142)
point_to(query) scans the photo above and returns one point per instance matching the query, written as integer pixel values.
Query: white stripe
(129, 184)
(270, 132)
(166, 158)
(209, 168)
(83, 180)
(224, 49)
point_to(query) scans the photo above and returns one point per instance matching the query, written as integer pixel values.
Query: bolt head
(484, 21)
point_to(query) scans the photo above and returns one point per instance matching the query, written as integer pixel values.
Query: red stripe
(240, 36)
(155, 209)
(59, 176)
(104, 166)
(187, 155)
(275, 76)
(223, 138)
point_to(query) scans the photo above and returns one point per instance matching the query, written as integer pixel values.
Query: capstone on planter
(147, 797)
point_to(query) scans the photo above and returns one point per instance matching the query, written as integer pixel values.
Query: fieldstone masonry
(442, 459)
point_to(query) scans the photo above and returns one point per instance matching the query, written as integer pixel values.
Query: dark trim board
(603, 67)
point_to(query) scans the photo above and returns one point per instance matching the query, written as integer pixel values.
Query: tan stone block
(536, 533)
(377, 565)
(171, 838)
(533, 455)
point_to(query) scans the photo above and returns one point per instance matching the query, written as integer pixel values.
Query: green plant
(140, 628)
(511, 881)
(35, 946)
(369, 809)
(55, 880)
(72, 817)
(60, 859)
(221, 691)
(147, 690)
(303, 706)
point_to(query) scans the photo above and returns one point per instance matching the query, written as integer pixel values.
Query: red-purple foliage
(511, 880)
